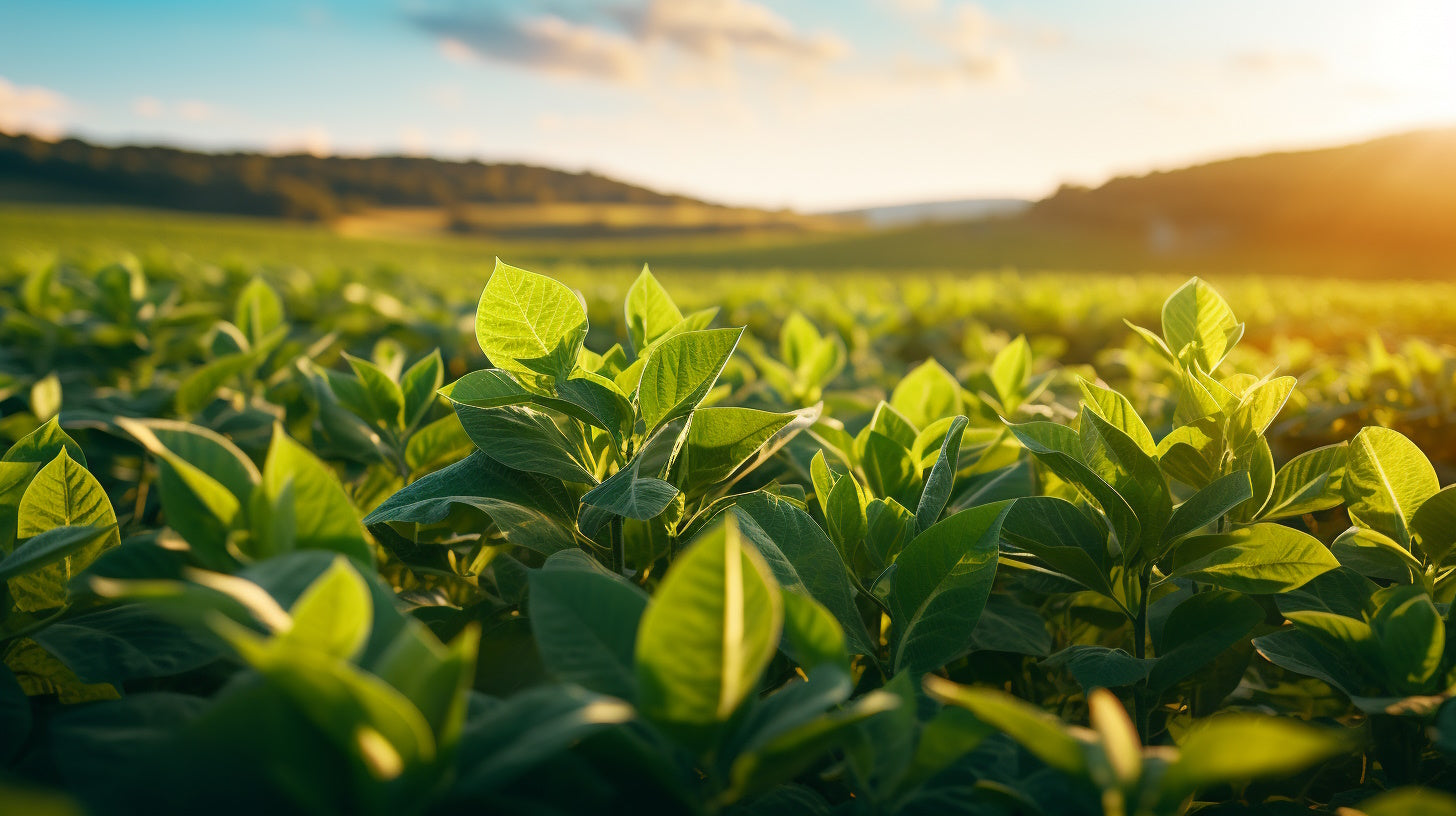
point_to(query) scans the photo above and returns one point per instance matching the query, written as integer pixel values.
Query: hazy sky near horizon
(814, 104)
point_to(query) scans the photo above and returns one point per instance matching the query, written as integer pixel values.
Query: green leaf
(649, 311)
(845, 516)
(419, 386)
(604, 403)
(1375, 555)
(1062, 536)
(197, 390)
(1101, 667)
(1060, 449)
(927, 393)
(789, 754)
(259, 311)
(1009, 370)
(1410, 801)
(1197, 318)
(1411, 638)
(630, 495)
(803, 560)
(585, 620)
(43, 444)
(1198, 630)
(942, 582)
(439, 442)
(1387, 478)
(302, 488)
(382, 395)
(1241, 747)
(512, 736)
(533, 511)
(890, 469)
(1206, 506)
(1133, 474)
(1434, 525)
(62, 494)
(1042, 734)
(124, 642)
(529, 324)
(720, 440)
(524, 439)
(680, 372)
(812, 637)
(1262, 558)
(333, 614)
(47, 548)
(710, 631)
(205, 482)
(1308, 483)
(942, 477)
(1256, 409)
(1117, 410)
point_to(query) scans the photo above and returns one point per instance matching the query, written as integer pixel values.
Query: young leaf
(529, 324)
(303, 490)
(710, 631)
(419, 386)
(681, 371)
(62, 494)
(942, 477)
(926, 394)
(1196, 317)
(649, 311)
(259, 311)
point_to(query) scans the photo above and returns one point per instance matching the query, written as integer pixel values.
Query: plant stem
(619, 548)
(1141, 710)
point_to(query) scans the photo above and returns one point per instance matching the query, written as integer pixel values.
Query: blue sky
(806, 103)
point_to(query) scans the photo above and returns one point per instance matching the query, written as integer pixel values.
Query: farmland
(295, 522)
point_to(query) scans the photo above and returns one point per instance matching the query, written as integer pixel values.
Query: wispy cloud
(546, 43)
(32, 109)
(719, 29)
(620, 45)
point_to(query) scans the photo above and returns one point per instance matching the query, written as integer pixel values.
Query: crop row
(677, 568)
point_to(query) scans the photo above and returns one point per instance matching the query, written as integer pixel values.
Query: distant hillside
(295, 186)
(1397, 193)
(936, 212)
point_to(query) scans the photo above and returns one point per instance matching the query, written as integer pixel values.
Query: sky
(810, 104)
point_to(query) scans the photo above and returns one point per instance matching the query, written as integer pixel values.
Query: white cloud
(147, 107)
(717, 29)
(32, 109)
